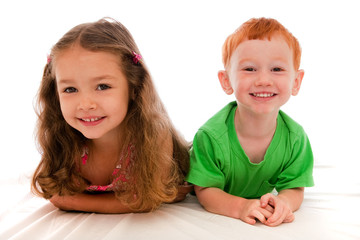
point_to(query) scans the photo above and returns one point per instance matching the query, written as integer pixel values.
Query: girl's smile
(91, 121)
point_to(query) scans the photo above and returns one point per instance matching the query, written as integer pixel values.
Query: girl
(103, 129)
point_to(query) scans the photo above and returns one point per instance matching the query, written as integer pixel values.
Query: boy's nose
(86, 103)
(264, 79)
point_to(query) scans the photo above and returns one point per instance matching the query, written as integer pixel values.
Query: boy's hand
(282, 212)
(252, 210)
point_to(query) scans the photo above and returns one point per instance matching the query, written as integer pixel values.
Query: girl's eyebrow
(64, 81)
(102, 77)
(95, 79)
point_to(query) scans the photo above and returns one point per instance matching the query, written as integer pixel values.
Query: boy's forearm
(294, 197)
(217, 201)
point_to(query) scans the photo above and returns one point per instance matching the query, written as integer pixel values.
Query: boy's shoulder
(216, 126)
(291, 124)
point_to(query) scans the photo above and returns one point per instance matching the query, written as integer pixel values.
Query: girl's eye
(102, 87)
(250, 69)
(70, 90)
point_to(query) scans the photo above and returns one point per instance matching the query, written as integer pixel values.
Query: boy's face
(261, 74)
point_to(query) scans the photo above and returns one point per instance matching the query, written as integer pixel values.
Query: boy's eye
(250, 69)
(277, 69)
(102, 87)
(70, 90)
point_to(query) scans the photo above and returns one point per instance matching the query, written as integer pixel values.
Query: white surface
(328, 212)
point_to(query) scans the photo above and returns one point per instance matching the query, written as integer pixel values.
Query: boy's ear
(297, 82)
(225, 82)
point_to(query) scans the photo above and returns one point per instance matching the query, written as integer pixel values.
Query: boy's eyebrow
(246, 60)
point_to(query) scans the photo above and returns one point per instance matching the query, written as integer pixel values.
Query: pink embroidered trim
(84, 157)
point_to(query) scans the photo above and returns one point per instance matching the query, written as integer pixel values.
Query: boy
(251, 147)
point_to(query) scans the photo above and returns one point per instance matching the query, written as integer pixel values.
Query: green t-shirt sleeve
(297, 171)
(205, 164)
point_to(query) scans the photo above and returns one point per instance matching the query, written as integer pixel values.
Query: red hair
(260, 28)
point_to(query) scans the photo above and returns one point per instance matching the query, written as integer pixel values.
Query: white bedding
(328, 212)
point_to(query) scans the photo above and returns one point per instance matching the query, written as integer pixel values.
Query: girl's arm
(183, 190)
(98, 203)
(217, 201)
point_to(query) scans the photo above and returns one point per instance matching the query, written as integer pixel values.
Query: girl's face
(262, 75)
(93, 92)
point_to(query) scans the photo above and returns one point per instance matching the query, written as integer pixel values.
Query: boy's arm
(217, 201)
(99, 203)
(294, 197)
(285, 203)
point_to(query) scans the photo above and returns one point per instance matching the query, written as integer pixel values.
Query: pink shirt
(120, 173)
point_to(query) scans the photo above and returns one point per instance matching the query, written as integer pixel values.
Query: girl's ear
(225, 82)
(133, 94)
(297, 82)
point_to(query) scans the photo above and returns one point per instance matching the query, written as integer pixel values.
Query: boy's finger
(278, 212)
(274, 224)
(267, 214)
(269, 208)
(249, 220)
(290, 218)
(265, 199)
(258, 215)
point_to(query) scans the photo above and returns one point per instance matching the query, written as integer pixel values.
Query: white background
(181, 43)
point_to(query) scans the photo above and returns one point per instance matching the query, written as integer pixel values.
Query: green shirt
(218, 160)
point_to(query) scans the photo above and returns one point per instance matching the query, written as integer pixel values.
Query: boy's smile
(261, 74)
(263, 96)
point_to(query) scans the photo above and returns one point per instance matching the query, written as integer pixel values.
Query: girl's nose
(87, 103)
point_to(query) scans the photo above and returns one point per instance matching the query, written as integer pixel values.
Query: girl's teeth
(90, 120)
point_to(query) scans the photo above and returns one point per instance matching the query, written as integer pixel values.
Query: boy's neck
(250, 125)
(255, 133)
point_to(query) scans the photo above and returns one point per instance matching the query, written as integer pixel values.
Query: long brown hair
(147, 126)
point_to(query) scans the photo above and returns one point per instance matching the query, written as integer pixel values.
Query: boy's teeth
(263, 94)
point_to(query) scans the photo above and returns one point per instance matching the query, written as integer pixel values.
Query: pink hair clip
(136, 58)
(48, 59)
